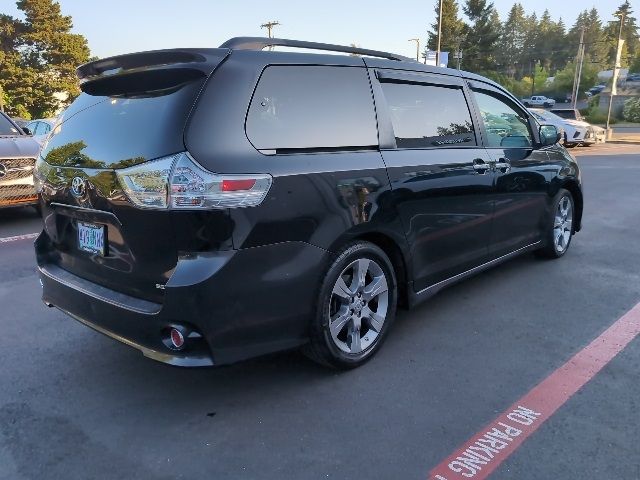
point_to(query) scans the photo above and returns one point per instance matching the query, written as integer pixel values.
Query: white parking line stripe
(16, 238)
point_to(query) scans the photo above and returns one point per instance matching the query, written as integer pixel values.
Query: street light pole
(578, 72)
(417, 40)
(614, 76)
(439, 35)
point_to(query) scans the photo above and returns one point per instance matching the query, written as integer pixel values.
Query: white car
(574, 114)
(575, 132)
(539, 101)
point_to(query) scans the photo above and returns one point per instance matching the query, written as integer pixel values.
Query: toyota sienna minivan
(210, 205)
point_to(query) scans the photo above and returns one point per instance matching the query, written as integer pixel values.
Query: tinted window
(6, 127)
(506, 127)
(44, 128)
(428, 116)
(312, 107)
(120, 132)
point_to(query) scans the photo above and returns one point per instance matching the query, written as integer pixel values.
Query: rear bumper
(242, 303)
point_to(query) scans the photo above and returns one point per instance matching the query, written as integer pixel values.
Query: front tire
(559, 229)
(355, 308)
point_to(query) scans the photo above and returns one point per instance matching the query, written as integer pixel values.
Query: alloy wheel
(358, 306)
(563, 224)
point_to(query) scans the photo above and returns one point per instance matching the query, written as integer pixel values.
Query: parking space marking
(479, 456)
(17, 238)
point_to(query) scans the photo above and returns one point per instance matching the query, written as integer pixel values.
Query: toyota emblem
(77, 186)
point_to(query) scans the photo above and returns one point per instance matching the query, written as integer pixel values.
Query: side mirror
(26, 130)
(549, 135)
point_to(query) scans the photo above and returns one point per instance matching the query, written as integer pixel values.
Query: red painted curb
(482, 453)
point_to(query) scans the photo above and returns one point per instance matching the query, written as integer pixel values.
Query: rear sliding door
(441, 178)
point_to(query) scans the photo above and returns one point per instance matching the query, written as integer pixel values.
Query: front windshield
(537, 116)
(7, 128)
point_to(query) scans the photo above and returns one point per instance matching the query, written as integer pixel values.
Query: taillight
(178, 182)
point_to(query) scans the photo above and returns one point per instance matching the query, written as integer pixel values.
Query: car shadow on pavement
(17, 214)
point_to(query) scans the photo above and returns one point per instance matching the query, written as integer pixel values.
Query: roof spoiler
(147, 73)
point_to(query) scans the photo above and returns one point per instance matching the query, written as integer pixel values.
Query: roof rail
(259, 43)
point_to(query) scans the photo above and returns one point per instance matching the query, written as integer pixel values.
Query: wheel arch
(578, 200)
(393, 250)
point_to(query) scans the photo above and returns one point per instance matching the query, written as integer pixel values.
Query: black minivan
(209, 205)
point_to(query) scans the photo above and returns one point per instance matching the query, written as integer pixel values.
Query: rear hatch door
(133, 110)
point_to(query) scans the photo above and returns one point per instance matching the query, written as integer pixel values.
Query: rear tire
(355, 308)
(559, 229)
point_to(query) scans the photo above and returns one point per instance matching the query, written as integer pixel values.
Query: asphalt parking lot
(75, 404)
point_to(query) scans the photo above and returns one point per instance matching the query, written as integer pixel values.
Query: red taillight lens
(237, 185)
(177, 339)
(178, 182)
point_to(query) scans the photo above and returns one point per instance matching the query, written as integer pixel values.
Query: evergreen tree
(452, 28)
(38, 58)
(594, 39)
(480, 38)
(551, 51)
(631, 46)
(512, 42)
(530, 57)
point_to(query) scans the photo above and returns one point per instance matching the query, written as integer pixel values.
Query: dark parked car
(276, 200)
(18, 153)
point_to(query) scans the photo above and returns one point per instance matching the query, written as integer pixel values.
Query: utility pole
(578, 71)
(533, 77)
(458, 56)
(269, 26)
(439, 35)
(417, 40)
(614, 77)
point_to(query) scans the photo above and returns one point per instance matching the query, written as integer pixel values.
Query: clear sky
(120, 26)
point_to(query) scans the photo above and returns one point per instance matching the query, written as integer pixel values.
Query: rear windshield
(7, 128)
(117, 132)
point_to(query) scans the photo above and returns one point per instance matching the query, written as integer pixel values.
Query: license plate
(91, 237)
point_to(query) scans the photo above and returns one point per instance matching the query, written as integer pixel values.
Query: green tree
(512, 42)
(38, 59)
(596, 49)
(481, 36)
(452, 27)
(631, 45)
(631, 110)
(530, 56)
(563, 80)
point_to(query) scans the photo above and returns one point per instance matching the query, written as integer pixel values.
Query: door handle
(480, 166)
(503, 164)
